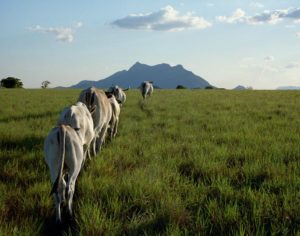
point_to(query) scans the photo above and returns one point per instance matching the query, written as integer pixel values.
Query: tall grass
(183, 162)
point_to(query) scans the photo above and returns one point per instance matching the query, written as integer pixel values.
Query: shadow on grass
(28, 116)
(68, 226)
(156, 226)
(194, 173)
(26, 144)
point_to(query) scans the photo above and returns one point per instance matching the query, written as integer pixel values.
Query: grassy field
(184, 162)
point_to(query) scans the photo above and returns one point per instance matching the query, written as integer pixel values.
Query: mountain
(240, 87)
(288, 88)
(162, 75)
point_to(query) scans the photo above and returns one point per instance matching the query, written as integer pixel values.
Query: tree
(45, 84)
(209, 87)
(180, 87)
(11, 82)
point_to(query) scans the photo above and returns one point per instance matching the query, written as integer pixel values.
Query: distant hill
(240, 87)
(162, 75)
(288, 88)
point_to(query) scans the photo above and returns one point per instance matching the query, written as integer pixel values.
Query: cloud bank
(238, 16)
(64, 34)
(166, 19)
(293, 65)
(267, 17)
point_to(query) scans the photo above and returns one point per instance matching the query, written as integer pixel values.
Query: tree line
(12, 82)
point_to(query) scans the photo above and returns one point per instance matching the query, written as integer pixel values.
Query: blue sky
(252, 43)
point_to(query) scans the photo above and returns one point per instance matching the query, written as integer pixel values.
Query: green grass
(184, 162)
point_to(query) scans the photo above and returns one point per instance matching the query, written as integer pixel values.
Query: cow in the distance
(146, 88)
(118, 93)
(100, 108)
(114, 121)
(63, 151)
(80, 119)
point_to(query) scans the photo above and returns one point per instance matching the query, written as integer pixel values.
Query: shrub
(180, 87)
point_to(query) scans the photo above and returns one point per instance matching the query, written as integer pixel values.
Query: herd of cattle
(81, 129)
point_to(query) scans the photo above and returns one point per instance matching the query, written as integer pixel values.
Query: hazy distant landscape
(215, 149)
(163, 76)
(213, 162)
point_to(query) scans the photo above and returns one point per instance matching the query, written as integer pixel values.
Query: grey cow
(146, 89)
(63, 147)
(100, 108)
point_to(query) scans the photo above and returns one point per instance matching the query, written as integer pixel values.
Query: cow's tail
(62, 144)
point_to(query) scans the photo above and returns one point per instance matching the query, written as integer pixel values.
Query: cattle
(63, 150)
(146, 88)
(118, 93)
(114, 121)
(80, 119)
(100, 108)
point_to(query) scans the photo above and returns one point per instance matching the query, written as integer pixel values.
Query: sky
(228, 43)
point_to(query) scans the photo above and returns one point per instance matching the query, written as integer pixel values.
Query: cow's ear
(93, 109)
(76, 129)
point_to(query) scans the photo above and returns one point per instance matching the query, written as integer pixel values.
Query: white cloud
(293, 65)
(293, 13)
(64, 34)
(275, 16)
(298, 34)
(269, 58)
(210, 4)
(78, 25)
(238, 16)
(266, 17)
(166, 19)
(257, 5)
(297, 21)
(270, 17)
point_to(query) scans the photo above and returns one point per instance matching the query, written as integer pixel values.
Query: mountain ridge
(163, 76)
(288, 88)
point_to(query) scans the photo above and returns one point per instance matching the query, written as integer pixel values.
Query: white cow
(114, 121)
(146, 88)
(99, 105)
(118, 93)
(63, 148)
(80, 119)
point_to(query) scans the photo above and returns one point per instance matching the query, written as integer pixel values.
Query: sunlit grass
(184, 162)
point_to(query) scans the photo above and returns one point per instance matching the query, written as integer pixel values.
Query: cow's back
(79, 118)
(97, 102)
(73, 145)
(104, 108)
